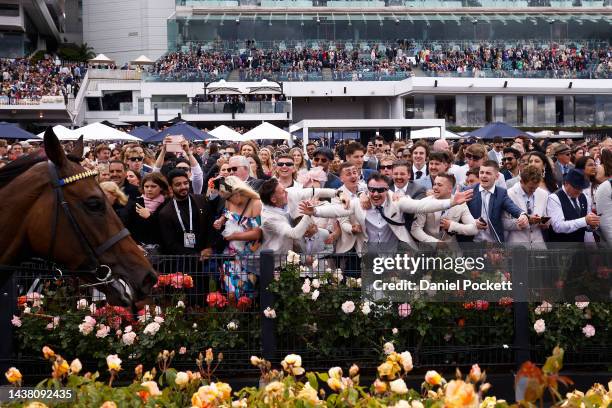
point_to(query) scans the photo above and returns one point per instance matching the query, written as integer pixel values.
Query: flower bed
(292, 386)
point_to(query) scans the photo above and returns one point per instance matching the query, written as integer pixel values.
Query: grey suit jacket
(558, 171)
(492, 156)
(413, 189)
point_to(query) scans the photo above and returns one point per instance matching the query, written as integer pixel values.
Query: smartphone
(175, 145)
(544, 220)
(482, 220)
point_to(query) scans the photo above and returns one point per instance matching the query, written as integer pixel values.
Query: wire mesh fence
(314, 305)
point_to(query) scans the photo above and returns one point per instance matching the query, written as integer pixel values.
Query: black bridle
(102, 273)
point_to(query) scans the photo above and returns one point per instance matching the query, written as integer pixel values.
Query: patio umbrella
(142, 60)
(12, 131)
(222, 88)
(99, 131)
(143, 132)
(266, 131)
(101, 59)
(497, 129)
(62, 133)
(225, 133)
(265, 87)
(188, 132)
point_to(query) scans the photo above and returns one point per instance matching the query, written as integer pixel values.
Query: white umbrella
(142, 60)
(222, 88)
(98, 131)
(266, 131)
(265, 87)
(62, 133)
(225, 133)
(432, 133)
(101, 59)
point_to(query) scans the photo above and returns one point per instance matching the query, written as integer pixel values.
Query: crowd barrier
(325, 329)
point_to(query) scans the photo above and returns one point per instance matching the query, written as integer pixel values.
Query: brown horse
(53, 208)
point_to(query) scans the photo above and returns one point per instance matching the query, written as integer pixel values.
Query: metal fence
(437, 334)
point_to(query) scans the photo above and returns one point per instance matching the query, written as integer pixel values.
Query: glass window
(510, 110)
(585, 110)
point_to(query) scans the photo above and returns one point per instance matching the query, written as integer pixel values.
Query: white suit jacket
(278, 235)
(393, 210)
(297, 193)
(426, 227)
(532, 234)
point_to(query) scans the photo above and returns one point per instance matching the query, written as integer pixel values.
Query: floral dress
(238, 275)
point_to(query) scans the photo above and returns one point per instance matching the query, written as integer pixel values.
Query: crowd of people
(26, 80)
(559, 62)
(331, 205)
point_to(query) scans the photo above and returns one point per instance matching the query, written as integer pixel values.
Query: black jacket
(144, 231)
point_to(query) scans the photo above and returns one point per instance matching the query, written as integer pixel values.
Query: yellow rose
(240, 403)
(309, 394)
(398, 386)
(335, 372)
(113, 362)
(60, 367)
(380, 387)
(406, 361)
(152, 388)
(255, 360)
(433, 378)
(75, 366)
(459, 394)
(204, 397)
(385, 369)
(335, 384)
(225, 391)
(181, 379)
(48, 353)
(475, 373)
(209, 356)
(353, 371)
(13, 375)
(36, 404)
(108, 404)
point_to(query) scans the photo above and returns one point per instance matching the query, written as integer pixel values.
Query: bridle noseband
(102, 273)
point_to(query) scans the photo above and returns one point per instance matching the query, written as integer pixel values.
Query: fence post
(266, 299)
(8, 305)
(520, 265)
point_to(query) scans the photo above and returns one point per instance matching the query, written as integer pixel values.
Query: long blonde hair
(111, 187)
(237, 186)
(302, 165)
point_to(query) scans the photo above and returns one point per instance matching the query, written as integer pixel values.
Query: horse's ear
(77, 151)
(53, 148)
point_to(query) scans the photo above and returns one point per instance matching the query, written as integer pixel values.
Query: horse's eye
(95, 205)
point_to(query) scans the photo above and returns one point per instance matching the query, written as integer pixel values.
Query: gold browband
(77, 177)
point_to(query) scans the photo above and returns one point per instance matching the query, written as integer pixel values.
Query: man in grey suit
(563, 163)
(497, 152)
(401, 181)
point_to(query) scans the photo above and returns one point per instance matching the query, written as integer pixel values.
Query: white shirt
(378, 229)
(558, 222)
(423, 171)
(460, 175)
(485, 235)
(401, 190)
(499, 155)
(348, 192)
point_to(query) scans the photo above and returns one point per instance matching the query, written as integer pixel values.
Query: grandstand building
(30, 25)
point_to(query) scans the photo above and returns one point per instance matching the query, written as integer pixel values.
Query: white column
(305, 139)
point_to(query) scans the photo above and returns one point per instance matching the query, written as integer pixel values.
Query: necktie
(389, 220)
(564, 170)
(576, 205)
(419, 173)
(485, 205)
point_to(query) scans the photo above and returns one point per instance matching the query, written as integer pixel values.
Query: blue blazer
(367, 173)
(498, 203)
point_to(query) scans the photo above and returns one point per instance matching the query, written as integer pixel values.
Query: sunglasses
(320, 159)
(133, 159)
(504, 159)
(285, 164)
(472, 157)
(379, 190)
(386, 167)
(233, 169)
(379, 145)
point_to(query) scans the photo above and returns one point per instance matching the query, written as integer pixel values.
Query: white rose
(158, 319)
(394, 331)
(365, 308)
(181, 379)
(388, 348)
(582, 305)
(103, 331)
(539, 326)
(270, 313)
(315, 294)
(305, 288)
(152, 328)
(232, 326)
(316, 283)
(180, 304)
(406, 360)
(82, 304)
(75, 366)
(348, 307)
(128, 338)
(93, 308)
(398, 386)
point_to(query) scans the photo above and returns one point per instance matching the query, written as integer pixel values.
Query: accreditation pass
(57, 395)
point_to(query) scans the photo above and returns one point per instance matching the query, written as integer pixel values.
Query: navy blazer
(498, 203)
(332, 181)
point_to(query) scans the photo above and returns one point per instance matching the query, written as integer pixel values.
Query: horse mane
(17, 167)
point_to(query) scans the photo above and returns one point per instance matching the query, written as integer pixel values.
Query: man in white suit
(533, 201)
(381, 223)
(278, 235)
(441, 226)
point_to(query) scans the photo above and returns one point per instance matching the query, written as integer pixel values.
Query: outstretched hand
(462, 197)
(306, 207)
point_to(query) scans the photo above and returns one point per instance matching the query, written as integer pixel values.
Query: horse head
(84, 233)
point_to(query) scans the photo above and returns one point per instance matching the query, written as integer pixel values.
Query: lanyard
(180, 219)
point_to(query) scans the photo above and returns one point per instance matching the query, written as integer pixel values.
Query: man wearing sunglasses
(239, 166)
(563, 163)
(322, 157)
(381, 224)
(474, 156)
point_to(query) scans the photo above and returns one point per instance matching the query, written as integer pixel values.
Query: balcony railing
(397, 3)
(206, 108)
